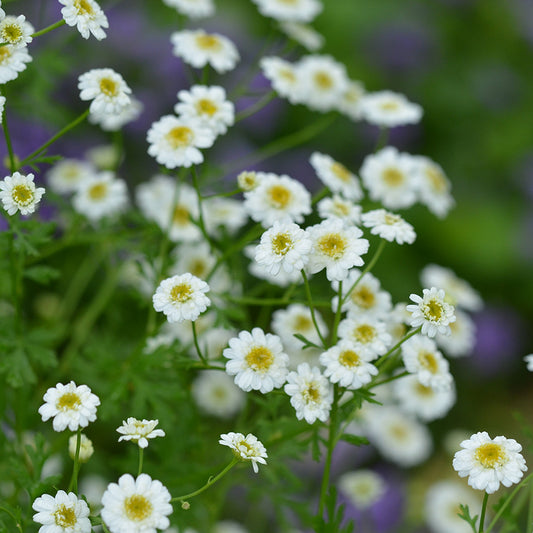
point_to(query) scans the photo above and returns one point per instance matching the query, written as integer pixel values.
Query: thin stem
(222, 194)
(483, 511)
(257, 106)
(197, 344)
(73, 485)
(337, 317)
(12, 161)
(210, 482)
(312, 307)
(141, 457)
(201, 221)
(383, 358)
(389, 379)
(383, 138)
(57, 24)
(272, 301)
(530, 506)
(7, 511)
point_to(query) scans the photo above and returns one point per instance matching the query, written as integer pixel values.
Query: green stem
(141, 456)
(530, 506)
(73, 485)
(7, 511)
(57, 24)
(210, 482)
(312, 307)
(337, 317)
(197, 344)
(383, 138)
(12, 161)
(254, 108)
(483, 512)
(383, 358)
(222, 194)
(389, 379)
(201, 221)
(59, 134)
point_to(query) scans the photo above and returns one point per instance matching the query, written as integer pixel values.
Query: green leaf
(42, 274)
(355, 440)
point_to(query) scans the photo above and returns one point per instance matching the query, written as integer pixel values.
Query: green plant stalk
(12, 161)
(257, 106)
(141, 457)
(337, 318)
(73, 485)
(483, 512)
(201, 221)
(383, 359)
(57, 24)
(197, 344)
(312, 307)
(7, 511)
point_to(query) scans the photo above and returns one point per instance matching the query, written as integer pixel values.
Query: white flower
(284, 77)
(284, 246)
(257, 361)
(338, 207)
(107, 90)
(295, 10)
(431, 312)
(488, 462)
(347, 365)
(388, 109)
(228, 526)
(62, 513)
(101, 195)
(247, 180)
(389, 177)
(13, 60)
(350, 101)
(70, 406)
(104, 156)
(389, 226)
(16, 30)
(247, 448)
(116, 121)
(433, 186)
(175, 142)
(87, 16)
(86, 448)
(335, 248)
(181, 297)
(2, 107)
(462, 337)
(136, 505)
(458, 292)
(281, 279)
(367, 333)
(336, 176)
(18, 193)
(529, 361)
(209, 104)
(67, 175)
(303, 34)
(193, 8)
(226, 213)
(277, 198)
(139, 431)
(198, 49)
(216, 394)
(363, 488)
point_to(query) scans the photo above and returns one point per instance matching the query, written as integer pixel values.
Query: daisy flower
(62, 513)
(389, 226)
(16, 30)
(181, 297)
(139, 431)
(87, 16)
(216, 394)
(257, 361)
(529, 361)
(336, 176)
(138, 505)
(335, 248)
(18, 193)
(349, 103)
(462, 338)
(227, 214)
(116, 121)
(388, 109)
(310, 392)
(363, 488)
(106, 88)
(86, 448)
(198, 49)
(13, 60)
(284, 78)
(296, 10)
(433, 186)
(209, 104)
(2, 107)
(175, 141)
(247, 180)
(70, 406)
(431, 312)
(488, 462)
(338, 207)
(192, 8)
(284, 246)
(247, 448)
(66, 175)
(303, 34)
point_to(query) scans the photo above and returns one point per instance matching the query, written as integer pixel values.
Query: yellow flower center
(247, 180)
(433, 311)
(302, 323)
(11, 33)
(341, 208)
(281, 243)
(390, 105)
(422, 390)
(391, 219)
(289, 2)
(393, 177)
(436, 178)
(490, 455)
(98, 191)
(399, 432)
(206, 107)
(181, 216)
(323, 80)
(340, 171)
(109, 87)
(5, 53)
(259, 358)
(69, 400)
(65, 516)
(279, 196)
(208, 42)
(332, 245)
(428, 361)
(180, 293)
(349, 358)
(311, 394)
(198, 268)
(83, 7)
(22, 195)
(137, 508)
(364, 333)
(179, 137)
(363, 297)
(287, 74)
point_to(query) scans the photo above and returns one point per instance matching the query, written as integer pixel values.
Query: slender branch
(73, 485)
(12, 159)
(312, 307)
(383, 358)
(53, 26)
(257, 106)
(197, 344)
(141, 457)
(483, 511)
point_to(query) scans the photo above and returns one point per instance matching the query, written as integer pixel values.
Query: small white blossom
(434, 188)
(16, 30)
(106, 88)
(247, 448)
(349, 103)
(431, 312)
(303, 34)
(336, 176)
(193, 8)
(296, 10)
(338, 207)
(87, 16)
(529, 361)
(139, 431)
(116, 121)
(62, 513)
(367, 333)
(216, 394)
(363, 488)
(18, 193)
(462, 338)
(284, 77)
(66, 175)
(388, 109)
(389, 226)
(13, 60)
(86, 448)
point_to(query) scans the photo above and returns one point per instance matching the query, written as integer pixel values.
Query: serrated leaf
(355, 440)
(307, 343)
(42, 274)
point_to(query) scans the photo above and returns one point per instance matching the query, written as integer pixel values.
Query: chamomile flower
(336, 248)
(224, 215)
(348, 365)
(16, 30)
(462, 338)
(310, 392)
(116, 121)
(488, 462)
(257, 361)
(281, 279)
(86, 448)
(70, 406)
(303, 34)
(87, 16)
(338, 207)
(248, 180)
(193, 8)
(209, 104)
(336, 176)
(66, 175)
(431, 312)
(101, 195)
(18, 193)
(529, 361)
(388, 109)
(349, 103)
(2, 107)
(175, 142)
(434, 188)
(216, 394)
(367, 333)
(389, 226)
(284, 77)
(62, 513)
(139, 431)
(363, 488)
(247, 448)
(181, 297)
(13, 60)
(295, 10)
(284, 246)
(277, 198)
(198, 49)
(106, 88)
(136, 505)
(389, 178)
